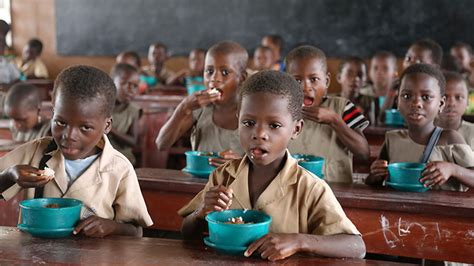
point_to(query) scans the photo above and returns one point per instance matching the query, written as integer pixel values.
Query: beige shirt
(165, 73)
(321, 140)
(39, 131)
(35, 68)
(207, 136)
(122, 121)
(401, 148)
(109, 187)
(467, 132)
(297, 200)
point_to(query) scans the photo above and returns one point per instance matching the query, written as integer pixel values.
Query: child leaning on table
(86, 165)
(306, 216)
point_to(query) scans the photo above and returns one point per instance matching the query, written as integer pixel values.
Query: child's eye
(59, 123)
(459, 98)
(248, 123)
(86, 128)
(426, 97)
(405, 96)
(209, 71)
(275, 125)
(225, 72)
(313, 80)
(298, 80)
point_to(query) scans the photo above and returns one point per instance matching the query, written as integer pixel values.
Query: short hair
(263, 48)
(449, 63)
(454, 76)
(199, 50)
(132, 54)
(464, 45)
(275, 82)
(121, 69)
(85, 83)
(386, 54)
(23, 94)
(352, 59)
(428, 69)
(276, 39)
(230, 47)
(36, 44)
(305, 52)
(433, 47)
(159, 45)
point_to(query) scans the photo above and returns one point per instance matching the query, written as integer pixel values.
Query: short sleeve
(40, 70)
(463, 155)
(353, 117)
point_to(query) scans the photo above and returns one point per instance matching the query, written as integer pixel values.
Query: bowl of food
(49, 217)
(394, 118)
(406, 176)
(237, 229)
(312, 163)
(197, 163)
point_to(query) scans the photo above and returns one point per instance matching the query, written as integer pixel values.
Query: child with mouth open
(306, 216)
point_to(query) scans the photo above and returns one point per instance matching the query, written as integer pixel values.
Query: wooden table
(17, 247)
(434, 225)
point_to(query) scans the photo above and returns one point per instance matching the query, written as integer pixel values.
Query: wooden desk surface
(19, 247)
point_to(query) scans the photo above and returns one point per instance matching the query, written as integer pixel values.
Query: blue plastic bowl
(394, 118)
(312, 163)
(197, 163)
(50, 217)
(406, 173)
(237, 235)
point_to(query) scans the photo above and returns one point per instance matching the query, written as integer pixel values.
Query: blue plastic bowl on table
(49, 217)
(312, 163)
(394, 118)
(235, 238)
(406, 176)
(197, 163)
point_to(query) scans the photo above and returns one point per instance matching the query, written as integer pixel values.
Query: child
(212, 113)
(124, 133)
(352, 76)
(262, 58)
(30, 63)
(456, 103)
(306, 216)
(8, 71)
(194, 71)
(420, 100)
(157, 55)
(382, 73)
(333, 125)
(86, 166)
(462, 52)
(23, 106)
(129, 57)
(275, 42)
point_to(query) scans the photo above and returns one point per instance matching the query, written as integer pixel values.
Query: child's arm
(437, 173)
(279, 246)
(182, 120)
(378, 169)
(353, 139)
(177, 78)
(94, 226)
(24, 175)
(218, 198)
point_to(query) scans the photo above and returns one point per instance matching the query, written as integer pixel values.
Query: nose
(416, 102)
(450, 101)
(69, 134)
(260, 133)
(307, 86)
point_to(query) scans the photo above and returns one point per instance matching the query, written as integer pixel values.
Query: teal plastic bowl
(50, 217)
(406, 173)
(394, 118)
(197, 163)
(237, 235)
(312, 163)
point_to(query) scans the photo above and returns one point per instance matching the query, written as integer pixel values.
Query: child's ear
(108, 125)
(297, 129)
(243, 76)
(442, 102)
(338, 78)
(328, 79)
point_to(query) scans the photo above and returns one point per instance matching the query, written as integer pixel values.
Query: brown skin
(221, 72)
(195, 68)
(25, 118)
(383, 72)
(462, 57)
(456, 95)
(352, 78)
(315, 81)
(262, 59)
(419, 103)
(157, 57)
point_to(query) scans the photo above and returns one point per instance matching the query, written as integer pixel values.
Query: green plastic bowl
(197, 163)
(406, 173)
(57, 220)
(237, 235)
(394, 118)
(312, 163)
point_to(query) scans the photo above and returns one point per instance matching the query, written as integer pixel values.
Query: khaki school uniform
(35, 68)
(164, 75)
(122, 121)
(39, 131)
(467, 132)
(108, 188)
(297, 200)
(207, 136)
(401, 148)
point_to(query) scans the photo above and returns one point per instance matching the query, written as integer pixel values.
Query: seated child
(456, 103)
(421, 99)
(212, 113)
(462, 53)
(30, 64)
(124, 133)
(352, 76)
(262, 59)
(425, 51)
(275, 42)
(129, 57)
(306, 216)
(8, 71)
(333, 125)
(194, 72)
(157, 55)
(86, 166)
(382, 73)
(23, 107)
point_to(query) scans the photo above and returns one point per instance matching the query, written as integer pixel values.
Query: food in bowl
(237, 220)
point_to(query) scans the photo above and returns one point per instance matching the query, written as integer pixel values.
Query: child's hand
(27, 176)
(201, 99)
(436, 173)
(94, 226)
(224, 157)
(379, 169)
(275, 246)
(319, 114)
(218, 198)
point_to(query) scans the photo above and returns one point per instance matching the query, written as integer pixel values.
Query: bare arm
(353, 139)
(180, 122)
(193, 226)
